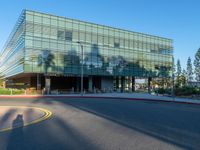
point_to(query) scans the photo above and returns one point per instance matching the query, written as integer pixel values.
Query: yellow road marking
(47, 114)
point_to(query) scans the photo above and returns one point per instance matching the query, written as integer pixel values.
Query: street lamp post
(81, 67)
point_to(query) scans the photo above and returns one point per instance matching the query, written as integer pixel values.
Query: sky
(175, 19)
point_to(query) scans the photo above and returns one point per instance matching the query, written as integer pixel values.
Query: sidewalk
(129, 96)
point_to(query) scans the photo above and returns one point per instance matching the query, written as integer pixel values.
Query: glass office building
(47, 45)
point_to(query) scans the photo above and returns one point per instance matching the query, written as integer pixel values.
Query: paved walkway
(138, 96)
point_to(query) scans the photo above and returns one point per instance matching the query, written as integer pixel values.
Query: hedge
(4, 91)
(181, 91)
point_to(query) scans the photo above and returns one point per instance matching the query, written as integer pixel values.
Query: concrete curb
(98, 97)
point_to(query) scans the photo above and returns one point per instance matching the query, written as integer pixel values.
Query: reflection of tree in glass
(163, 71)
(46, 60)
(116, 63)
(71, 58)
(93, 59)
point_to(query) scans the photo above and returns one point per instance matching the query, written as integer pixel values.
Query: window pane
(38, 19)
(68, 35)
(46, 21)
(61, 35)
(53, 22)
(29, 17)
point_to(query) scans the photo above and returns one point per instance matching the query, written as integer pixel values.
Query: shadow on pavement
(6, 117)
(16, 138)
(176, 124)
(53, 134)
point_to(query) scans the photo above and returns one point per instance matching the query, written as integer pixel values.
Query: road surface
(106, 124)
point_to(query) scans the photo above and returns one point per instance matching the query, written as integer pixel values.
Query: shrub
(180, 91)
(5, 91)
(163, 91)
(185, 91)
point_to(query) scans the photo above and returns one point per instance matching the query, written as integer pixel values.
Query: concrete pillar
(117, 83)
(107, 84)
(77, 84)
(90, 84)
(4, 84)
(133, 84)
(149, 84)
(38, 82)
(47, 85)
(122, 84)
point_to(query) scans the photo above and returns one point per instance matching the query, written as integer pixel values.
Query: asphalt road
(106, 124)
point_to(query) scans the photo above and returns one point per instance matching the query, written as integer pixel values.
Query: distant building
(43, 44)
(194, 83)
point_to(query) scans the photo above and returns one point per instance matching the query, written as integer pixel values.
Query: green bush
(180, 91)
(160, 91)
(186, 91)
(163, 91)
(4, 91)
(17, 92)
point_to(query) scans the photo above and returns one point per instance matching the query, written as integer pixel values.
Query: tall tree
(197, 65)
(189, 70)
(178, 73)
(173, 67)
(183, 77)
(178, 68)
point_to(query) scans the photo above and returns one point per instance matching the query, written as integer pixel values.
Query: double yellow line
(47, 114)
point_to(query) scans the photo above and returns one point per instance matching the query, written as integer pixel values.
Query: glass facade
(12, 54)
(107, 51)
